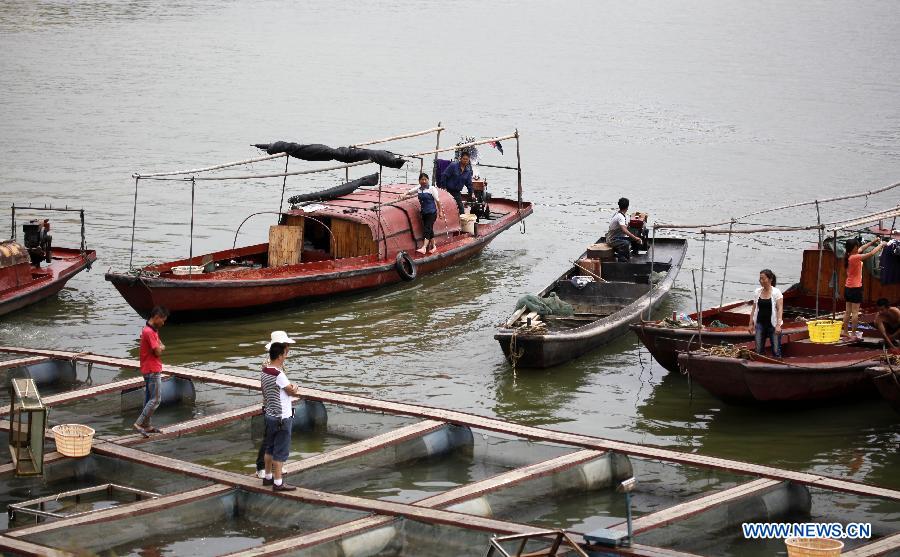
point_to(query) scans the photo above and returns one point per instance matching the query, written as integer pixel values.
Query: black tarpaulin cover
(319, 152)
(369, 181)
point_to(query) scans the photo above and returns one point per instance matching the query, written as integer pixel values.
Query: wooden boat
(347, 251)
(665, 341)
(887, 381)
(808, 372)
(35, 270)
(603, 310)
(346, 240)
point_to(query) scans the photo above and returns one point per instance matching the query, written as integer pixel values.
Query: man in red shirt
(151, 368)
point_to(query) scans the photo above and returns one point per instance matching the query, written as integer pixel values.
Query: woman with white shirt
(766, 317)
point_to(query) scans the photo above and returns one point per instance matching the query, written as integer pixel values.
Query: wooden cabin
(872, 287)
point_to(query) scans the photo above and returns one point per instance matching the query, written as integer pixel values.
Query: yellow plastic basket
(813, 547)
(824, 331)
(73, 439)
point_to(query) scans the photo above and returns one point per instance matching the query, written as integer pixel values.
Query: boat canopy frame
(835, 227)
(190, 175)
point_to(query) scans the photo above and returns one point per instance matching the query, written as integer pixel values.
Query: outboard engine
(637, 225)
(480, 205)
(37, 240)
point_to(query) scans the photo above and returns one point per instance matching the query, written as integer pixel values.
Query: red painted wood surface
(48, 280)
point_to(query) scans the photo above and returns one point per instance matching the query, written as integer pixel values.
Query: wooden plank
(190, 426)
(79, 394)
(122, 511)
(883, 546)
(510, 478)
(285, 245)
(252, 483)
(365, 446)
(695, 506)
(19, 362)
(296, 543)
(21, 547)
(450, 497)
(493, 424)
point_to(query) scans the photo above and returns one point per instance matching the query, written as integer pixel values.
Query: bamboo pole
(836, 275)
(133, 224)
(819, 272)
(519, 173)
(438, 129)
(757, 230)
(791, 206)
(725, 269)
(702, 276)
(210, 168)
(464, 145)
(260, 176)
(437, 146)
(277, 155)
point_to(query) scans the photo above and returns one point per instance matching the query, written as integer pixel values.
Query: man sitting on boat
(455, 176)
(618, 236)
(887, 321)
(430, 203)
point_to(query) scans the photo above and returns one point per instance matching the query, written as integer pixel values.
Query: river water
(697, 112)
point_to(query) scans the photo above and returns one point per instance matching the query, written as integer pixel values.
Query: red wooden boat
(35, 270)
(887, 381)
(360, 238)
(808, 372)
(665, 340)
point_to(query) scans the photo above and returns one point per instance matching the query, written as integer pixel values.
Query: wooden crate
(352, 239)
(285, 245)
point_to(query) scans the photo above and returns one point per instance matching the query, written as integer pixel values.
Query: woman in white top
(766, 317)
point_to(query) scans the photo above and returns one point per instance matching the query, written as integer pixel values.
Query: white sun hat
(280, 337)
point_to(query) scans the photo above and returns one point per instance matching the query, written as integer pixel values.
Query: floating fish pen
(379, 479)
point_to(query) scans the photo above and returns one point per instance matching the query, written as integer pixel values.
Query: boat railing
(14, 208)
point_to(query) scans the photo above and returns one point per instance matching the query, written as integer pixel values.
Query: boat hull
(887, 381)
(204, 297)
(65, 264)
(546, 350)
(795, 380)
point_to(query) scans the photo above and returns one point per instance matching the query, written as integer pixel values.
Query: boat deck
(198, 490)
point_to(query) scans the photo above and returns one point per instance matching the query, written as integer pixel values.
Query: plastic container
(824, 331)
(73, 439)
(187, 270)
(467, 223)
(813, 547)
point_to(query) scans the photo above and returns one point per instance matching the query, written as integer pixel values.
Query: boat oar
(601, 279)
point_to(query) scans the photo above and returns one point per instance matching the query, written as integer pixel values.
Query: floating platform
(381, 478)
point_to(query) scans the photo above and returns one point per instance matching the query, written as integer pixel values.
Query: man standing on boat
(151, 368)
(618, 237)
(455, 176)
(430, 203)
(279, 414)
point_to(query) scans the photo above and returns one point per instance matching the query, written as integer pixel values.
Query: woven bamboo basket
(813, 547)
(73, 439)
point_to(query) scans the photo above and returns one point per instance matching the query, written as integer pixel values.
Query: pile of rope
(891, 359)
(728, 351)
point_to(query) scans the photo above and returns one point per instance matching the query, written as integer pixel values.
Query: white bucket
(467, 223)
(187, 270)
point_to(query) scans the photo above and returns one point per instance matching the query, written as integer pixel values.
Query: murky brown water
(696, 113)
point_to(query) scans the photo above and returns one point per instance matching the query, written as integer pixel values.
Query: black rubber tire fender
(405, 266)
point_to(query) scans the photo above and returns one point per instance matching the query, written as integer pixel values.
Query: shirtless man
(887, 321)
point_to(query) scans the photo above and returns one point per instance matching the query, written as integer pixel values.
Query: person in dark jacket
(456, 176)
(430, 203)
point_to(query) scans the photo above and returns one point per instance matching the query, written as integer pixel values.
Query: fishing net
(551, 305)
